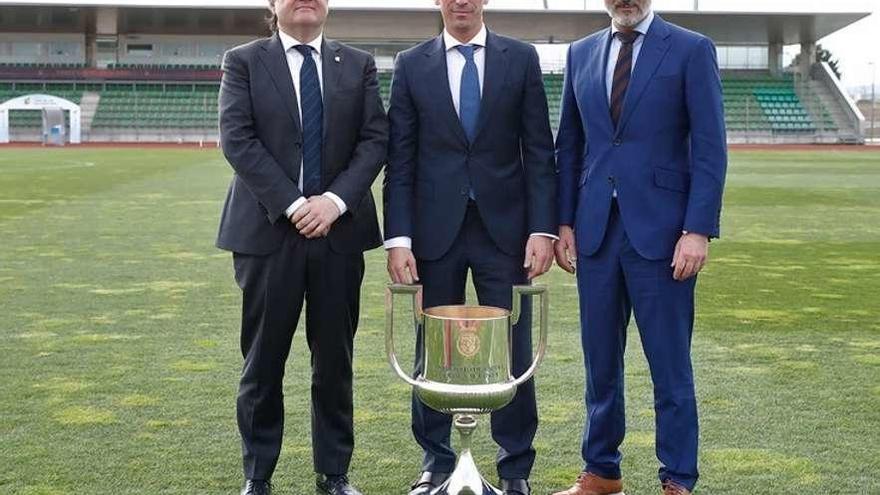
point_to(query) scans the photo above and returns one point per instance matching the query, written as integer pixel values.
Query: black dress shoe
(427, 482)
(516, 487)
(256, 487)
(335, 485)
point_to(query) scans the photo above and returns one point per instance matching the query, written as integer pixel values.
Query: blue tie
(469, 97)
(312, 122)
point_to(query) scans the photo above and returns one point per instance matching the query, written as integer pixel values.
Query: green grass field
(119, 334)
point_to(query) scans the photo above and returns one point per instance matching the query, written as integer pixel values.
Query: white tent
(39, 102)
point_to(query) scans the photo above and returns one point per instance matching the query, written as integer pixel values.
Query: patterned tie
(622, 72)
(312, 122)
(469, 97)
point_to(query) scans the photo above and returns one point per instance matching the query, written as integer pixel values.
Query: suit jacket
(667, 158)
(432, 165)
(261, 136)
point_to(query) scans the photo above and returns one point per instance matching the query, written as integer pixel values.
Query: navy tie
(312, 122)
(622, 72)
(469, 95)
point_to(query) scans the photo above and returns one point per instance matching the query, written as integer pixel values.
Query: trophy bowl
(467, 367)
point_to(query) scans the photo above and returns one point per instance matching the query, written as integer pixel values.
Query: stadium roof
(726, 21)
(745, 6)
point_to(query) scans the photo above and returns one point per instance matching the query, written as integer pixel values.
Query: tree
(824, 55)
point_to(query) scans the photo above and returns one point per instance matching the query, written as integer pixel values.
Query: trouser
(494, 274)
(613, 283)
(274, 289)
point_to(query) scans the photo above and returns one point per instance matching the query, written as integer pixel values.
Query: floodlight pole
(873, 97)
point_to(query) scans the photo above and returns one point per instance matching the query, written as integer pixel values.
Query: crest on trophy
(468, 342)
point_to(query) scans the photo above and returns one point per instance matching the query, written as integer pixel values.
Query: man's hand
(539, 255)
(315, 217)
(566, 252)
(691, 255)
(402, 266)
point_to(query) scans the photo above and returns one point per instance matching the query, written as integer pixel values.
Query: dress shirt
(614, 52)
(455, 63)
(294, 63)
(454, 67)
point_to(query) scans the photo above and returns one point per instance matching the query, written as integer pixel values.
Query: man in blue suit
(642, 158)
(470, 185)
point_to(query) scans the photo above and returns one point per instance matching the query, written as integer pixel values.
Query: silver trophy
(467, 368)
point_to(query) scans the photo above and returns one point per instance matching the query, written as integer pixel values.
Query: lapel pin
(337, 59)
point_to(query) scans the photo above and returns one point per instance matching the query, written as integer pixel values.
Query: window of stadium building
(743, 57)
(27, 48)
(213, 50)
(176, 49)
(140, 49)
(64, 49)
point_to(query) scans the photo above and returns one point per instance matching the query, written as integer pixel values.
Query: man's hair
(272, 18)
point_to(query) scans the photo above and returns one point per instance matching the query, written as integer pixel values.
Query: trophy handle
(531, 290)
(390, 292)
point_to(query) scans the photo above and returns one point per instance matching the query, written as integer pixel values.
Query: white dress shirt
(294, 63)
(455, 62)
(614, 52)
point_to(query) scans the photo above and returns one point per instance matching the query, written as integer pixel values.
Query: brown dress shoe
(672, 488)
(590, 484)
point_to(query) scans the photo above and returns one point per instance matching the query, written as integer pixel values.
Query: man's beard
(632, 20)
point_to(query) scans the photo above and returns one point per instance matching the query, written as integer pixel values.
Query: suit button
(611, 179)
(464, 191)
(617, 142)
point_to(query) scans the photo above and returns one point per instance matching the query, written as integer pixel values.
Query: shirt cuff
(398, 242)
(543, 234)
(295, 206)
(337, 201)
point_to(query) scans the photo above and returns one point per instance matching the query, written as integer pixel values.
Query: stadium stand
(168, 66)
(764, 103)
(753, 102)
(41, 65)
(141, 76)
(163, 106)
(553, 87)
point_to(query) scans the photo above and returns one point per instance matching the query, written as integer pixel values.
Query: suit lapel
(653, 51)
(495, 71)
(437, 72)
(331, 70)
(599, 58)
(275, 60)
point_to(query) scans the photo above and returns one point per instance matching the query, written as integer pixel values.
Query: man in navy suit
(470, 185)
(642, 158)
(304, 129)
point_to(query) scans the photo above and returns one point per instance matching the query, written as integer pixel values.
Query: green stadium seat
(149, 105)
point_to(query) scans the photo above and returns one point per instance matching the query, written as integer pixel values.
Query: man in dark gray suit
(304, 129)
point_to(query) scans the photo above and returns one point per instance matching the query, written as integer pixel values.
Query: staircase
(88, 106)
(844, 125)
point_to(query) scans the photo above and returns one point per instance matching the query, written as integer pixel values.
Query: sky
(856, 47)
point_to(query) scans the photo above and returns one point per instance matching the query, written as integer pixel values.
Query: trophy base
(466, 478)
